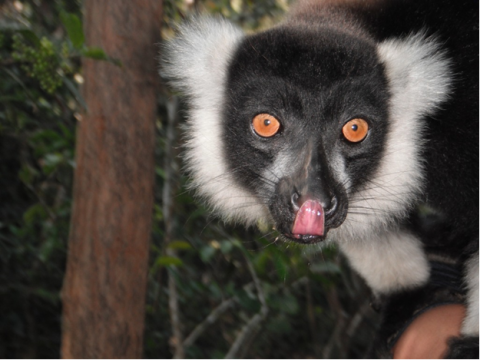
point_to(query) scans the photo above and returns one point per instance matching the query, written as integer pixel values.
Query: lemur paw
(464, 348)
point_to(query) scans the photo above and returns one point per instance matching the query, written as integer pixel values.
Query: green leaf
(197, 213)
(226, 246)
(157, 213)
(179, 245)
(31, 37)
(281, 267)
(67, 133)
(159, 171)
(155, 248)
(280, 324)
(34, 212)
(99, 54)
(248, 302)
(168, 261)
(95, 53)
(48, 135)
(73, 25)
(47, 249)
(53, 159)
(261, 261)
(215, 290)
(27, 174)
(325, 267)
(290, 304)
(53, 297)
(206, 253)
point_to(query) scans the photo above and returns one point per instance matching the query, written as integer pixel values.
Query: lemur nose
(332, 207)
(294, 200)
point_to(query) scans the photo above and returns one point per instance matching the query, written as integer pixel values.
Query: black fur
(313, 83)
(465, 347)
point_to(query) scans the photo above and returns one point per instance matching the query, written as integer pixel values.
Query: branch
(357, 318)
(211, 318)
(355, 322)
(247, 332)
(311, 317)
(251, 328)
(176, 341)
(336, 307)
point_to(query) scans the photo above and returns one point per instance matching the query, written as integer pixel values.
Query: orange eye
(265, 125)
(355, 130)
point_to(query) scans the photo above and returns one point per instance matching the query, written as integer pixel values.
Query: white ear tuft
(196, 60)
(418, 72)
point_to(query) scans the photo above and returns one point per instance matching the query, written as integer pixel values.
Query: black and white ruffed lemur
(353, 122)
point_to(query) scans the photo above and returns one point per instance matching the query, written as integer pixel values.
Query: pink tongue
(310, 219)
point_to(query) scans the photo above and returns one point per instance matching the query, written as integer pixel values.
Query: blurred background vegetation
(238, 292)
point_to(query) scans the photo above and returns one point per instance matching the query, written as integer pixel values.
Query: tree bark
(105, 282)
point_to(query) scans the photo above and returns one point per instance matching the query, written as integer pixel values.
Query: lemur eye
(265, 125)
(355, 130)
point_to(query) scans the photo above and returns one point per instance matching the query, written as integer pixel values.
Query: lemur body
(352, 121)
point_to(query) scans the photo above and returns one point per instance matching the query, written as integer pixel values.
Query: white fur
(389, 261)
(419, 74)
(470, 323)
(339, 171)
(196, 62)
(286, 163)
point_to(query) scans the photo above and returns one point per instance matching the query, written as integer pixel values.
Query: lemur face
(304, 132)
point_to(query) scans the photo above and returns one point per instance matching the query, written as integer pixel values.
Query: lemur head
(316, 131)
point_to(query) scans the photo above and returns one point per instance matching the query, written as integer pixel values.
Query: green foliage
(73, 25)
(39, 62)
(39, 100)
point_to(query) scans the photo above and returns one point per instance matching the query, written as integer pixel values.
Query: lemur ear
(418, 72)
(196, 60)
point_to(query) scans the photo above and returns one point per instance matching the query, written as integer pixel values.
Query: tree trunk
(105, 282)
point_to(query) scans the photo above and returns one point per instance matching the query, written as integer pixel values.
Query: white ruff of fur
(196, 62)
(389, 261)
(419, 79)
(470, 323)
